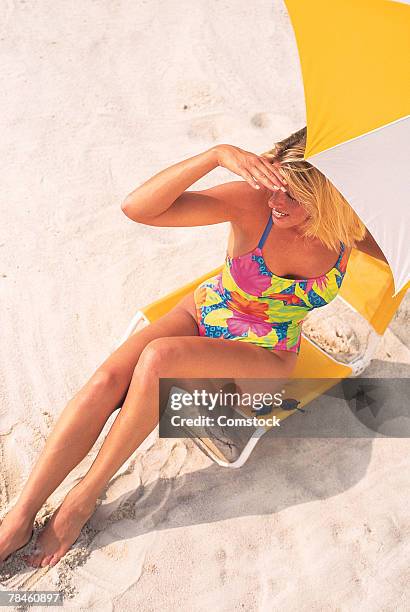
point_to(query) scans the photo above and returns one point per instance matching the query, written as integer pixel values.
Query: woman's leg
(80, 424)
(177, 357)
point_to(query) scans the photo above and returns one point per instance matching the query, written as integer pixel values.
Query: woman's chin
(281, 220)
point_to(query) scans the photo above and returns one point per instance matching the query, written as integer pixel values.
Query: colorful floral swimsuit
(247, 302)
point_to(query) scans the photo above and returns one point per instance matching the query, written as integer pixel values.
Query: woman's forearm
(160, 191)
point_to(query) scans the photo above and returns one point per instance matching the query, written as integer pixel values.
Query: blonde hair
(331, 218)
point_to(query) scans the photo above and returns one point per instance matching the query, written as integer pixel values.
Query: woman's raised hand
(255, 169)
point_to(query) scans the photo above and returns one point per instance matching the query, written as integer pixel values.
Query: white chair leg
(207, 446)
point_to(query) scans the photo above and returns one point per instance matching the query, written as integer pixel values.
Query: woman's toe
(54, 559)
(35, 561)
(46, 560)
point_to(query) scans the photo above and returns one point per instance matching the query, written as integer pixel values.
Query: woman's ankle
(23, 513)
(83, 498)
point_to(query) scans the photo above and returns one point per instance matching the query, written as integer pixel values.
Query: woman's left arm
(369, 246)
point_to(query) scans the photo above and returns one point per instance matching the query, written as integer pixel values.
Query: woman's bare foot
(62, 530)
(15, 532)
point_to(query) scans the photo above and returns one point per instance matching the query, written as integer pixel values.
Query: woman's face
(286, 211)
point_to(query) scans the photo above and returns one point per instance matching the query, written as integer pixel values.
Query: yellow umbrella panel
(354, 57)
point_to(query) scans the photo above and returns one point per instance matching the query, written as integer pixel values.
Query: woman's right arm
(163, 200)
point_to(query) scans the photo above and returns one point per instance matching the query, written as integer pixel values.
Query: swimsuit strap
(341, 253)
(265, 232)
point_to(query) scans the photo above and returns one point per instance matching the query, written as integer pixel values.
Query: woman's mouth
(279, 214)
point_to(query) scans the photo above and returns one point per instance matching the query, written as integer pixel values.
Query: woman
(243, 323)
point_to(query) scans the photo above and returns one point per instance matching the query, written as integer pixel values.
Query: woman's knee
(107, 378)
(158, 354)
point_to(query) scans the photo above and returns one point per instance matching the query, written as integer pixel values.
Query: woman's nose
(275, 198)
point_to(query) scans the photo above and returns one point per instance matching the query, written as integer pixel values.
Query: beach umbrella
(355, 60)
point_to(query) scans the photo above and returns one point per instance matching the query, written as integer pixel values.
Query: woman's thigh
(201, 357)
(212, 364)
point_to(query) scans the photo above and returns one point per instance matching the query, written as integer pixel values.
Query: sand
(98, 97)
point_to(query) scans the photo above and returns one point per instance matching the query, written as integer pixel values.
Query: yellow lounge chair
(367, 288)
